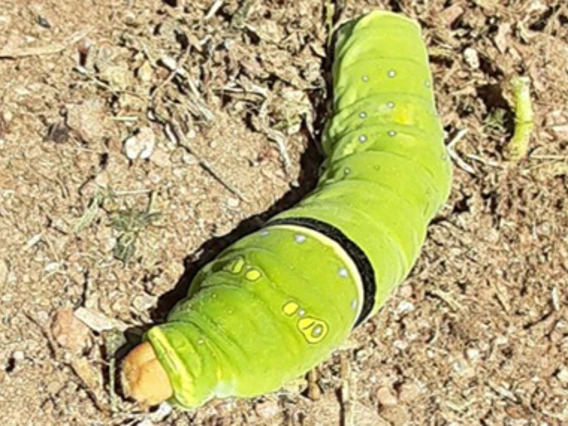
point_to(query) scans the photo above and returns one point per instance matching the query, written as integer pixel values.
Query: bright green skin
(279, 301)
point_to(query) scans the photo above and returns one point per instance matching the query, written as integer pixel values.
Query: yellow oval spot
(253, 275)
(405, 115)
(313, 329)
(289, 308)
(236, 265)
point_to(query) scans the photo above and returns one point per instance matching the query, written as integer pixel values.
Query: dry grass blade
(215, 6)
(174, 133)
(114, 340)
(454, 156)
(90, 213)
(51, 49)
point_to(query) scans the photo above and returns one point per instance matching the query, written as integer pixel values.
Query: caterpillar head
(143, 377)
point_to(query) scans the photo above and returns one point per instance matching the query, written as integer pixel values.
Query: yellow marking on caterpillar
(313, 329)
(341, 254)
(404, 115)
(236, 265)
(253, 275)
(290, 308)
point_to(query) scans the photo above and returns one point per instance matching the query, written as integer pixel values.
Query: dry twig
(459, 136)
(346, 393)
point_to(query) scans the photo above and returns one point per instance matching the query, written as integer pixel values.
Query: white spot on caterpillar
(362, 114)
(365, 78)
(390, 105)
(444, 157)
(301, 312)
(300, 238)
(200, 341)
(354, 304)
(362, 138)
(392, 133)
(427, 84)
(263, 232)
(316, 332)
(346, 171)
(391, 73)
(343, 273)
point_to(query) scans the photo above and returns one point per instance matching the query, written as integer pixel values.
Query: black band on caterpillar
(358, 256)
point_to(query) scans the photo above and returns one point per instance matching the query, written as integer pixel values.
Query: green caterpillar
(279, 301)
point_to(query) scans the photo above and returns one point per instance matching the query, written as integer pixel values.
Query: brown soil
(477, 335)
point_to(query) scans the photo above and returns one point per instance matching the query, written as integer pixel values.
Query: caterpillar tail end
(143, 378)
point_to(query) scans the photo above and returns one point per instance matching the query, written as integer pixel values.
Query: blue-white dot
(390, 105)
(362, 138)
(365, 78)
(343, 273)
(354, 304)
(346, 171)
(263, 232)
(392, 133)
(300, 238)
(362, 114)
(391, 73)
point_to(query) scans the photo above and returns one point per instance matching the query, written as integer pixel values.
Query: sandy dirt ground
(94, 244)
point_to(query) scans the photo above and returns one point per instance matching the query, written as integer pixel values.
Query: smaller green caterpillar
(279, 301)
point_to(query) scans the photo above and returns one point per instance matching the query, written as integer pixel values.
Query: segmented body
(279, 301)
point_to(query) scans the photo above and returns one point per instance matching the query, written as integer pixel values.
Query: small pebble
(472, 353)
(163, 411)
(471, 57)
(145, 72)
(405, 291)
(88, 119)
(172, 65)
(117, 76)
(18, 355)
(43, 22)
(97, 321)
(400, 345)
(161, 159)
(143, 302)
(405, 307)
(396, 415)
(562, 375)
(408, 392)
(463, 369)
(70, 332)
(385, 397)
(267, 409)
(141, 145)
(233, 202)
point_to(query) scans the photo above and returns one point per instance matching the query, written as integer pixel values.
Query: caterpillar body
(280, 300)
